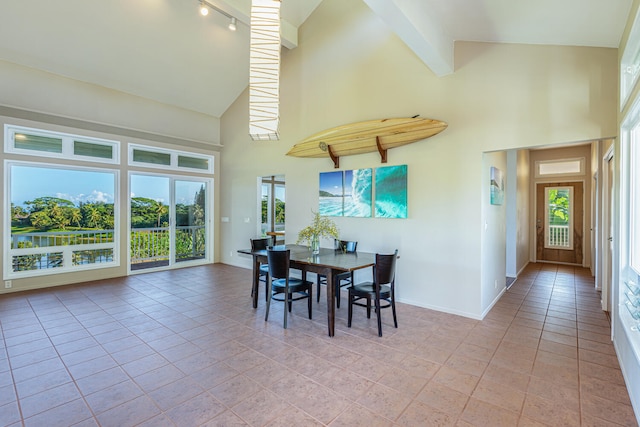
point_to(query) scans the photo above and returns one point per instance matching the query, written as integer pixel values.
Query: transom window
(152, 157)
(36, 142)
(560, 167)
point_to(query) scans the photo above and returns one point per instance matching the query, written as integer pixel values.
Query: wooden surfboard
(365, 137)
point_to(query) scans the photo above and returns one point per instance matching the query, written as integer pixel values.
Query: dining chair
(280, 283)
(381, 289)
(257, 245)
(342, 279)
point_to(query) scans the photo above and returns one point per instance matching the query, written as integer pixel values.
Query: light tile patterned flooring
(185, 348)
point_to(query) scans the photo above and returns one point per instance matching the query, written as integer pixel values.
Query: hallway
(185, 348)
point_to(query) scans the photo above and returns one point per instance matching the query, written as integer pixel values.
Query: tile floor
(185, 348)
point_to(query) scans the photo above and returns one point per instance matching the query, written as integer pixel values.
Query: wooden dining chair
(257, 245)
(381, 289)
(283, 287)
(342, 279)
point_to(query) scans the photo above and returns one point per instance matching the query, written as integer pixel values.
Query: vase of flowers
(321, 226)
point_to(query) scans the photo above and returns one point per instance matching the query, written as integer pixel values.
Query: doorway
(560, 222)
(272, 207)
(168, 220)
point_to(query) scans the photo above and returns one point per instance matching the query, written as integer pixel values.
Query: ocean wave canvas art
(391, 192)
(346, 193)
(357, 193)
(331, 193)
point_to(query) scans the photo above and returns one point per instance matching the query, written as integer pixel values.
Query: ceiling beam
(412, 22)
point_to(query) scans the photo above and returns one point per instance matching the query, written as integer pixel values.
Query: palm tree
(76, 216)
(94, 217)
(160, 210)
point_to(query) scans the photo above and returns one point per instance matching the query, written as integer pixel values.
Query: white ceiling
(165, 51)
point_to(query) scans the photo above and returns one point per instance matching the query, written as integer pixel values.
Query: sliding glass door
(169, 221)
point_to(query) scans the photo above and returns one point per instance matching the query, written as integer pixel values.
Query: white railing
(152, 244)
(558, 236)
(68, 249)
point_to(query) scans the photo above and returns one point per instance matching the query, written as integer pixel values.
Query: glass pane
(60, 207)
(37, 262)
(152, 157)
(150, 232)
(193, 162)
(556, 168)
(191, 202)
(279, 207)
(38, 143)
(89, 149)
(558, 217)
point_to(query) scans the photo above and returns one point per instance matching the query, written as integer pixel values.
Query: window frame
(67, 250)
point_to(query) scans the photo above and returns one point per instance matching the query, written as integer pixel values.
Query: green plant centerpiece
(321, 226)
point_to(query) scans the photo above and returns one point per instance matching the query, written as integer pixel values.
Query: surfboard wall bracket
(382, 151)
(334, 158)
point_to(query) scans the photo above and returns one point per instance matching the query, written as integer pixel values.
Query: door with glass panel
(169, 221)
(559, 222)
(272, 207)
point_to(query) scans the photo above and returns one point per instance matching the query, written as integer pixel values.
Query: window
(151, 157)
(560, 167)
(62, 219)
(559, 218)
(36, 142)
(630, 62)
(634, 200)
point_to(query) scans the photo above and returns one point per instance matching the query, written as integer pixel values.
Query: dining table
(328, 262)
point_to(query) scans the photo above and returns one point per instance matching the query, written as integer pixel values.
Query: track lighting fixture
(204, 11)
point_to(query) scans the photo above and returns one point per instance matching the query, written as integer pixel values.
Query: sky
(29, 182)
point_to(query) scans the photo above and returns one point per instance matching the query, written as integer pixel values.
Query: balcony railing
(558, 236)
(151, 245)
(46, 250)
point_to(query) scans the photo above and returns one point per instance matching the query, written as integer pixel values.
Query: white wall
(38, 91)
(517, 211)
(494, 234)
(350, 67)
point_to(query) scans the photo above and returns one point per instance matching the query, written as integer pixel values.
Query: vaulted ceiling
(163, 50)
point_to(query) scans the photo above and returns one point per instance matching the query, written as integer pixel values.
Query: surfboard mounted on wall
(366, 137)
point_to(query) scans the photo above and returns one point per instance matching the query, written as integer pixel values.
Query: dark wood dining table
(328, 262)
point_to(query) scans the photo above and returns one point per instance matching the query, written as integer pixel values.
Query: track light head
(232, 24)
(204, 10)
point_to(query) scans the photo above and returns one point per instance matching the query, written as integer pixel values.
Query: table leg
(256, 281)
(331, 306)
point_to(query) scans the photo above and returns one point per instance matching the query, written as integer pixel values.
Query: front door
(559, 222)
